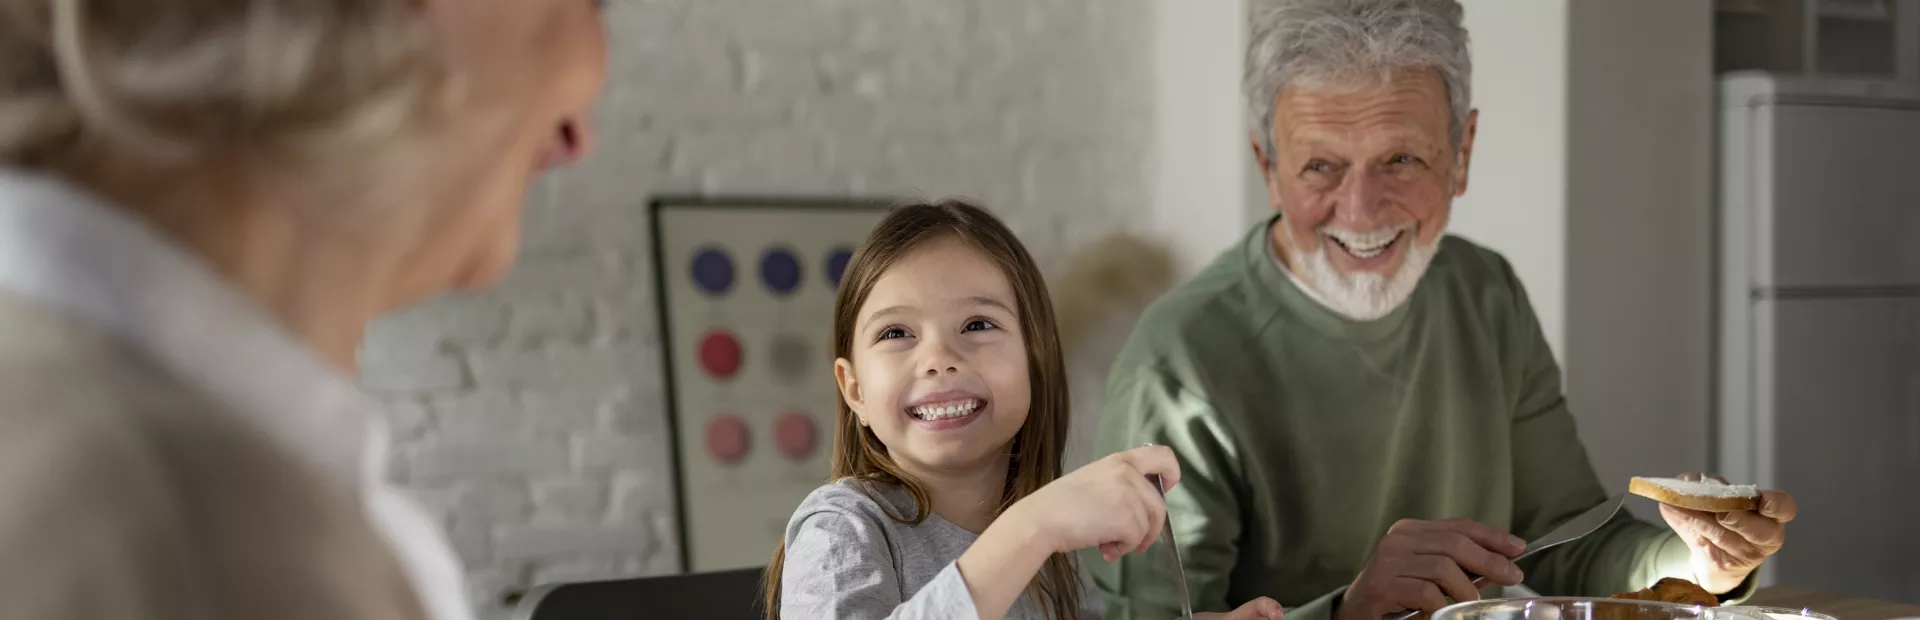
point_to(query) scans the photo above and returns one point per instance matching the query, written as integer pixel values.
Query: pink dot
(720, 354)
(794, 435)
(727, 438)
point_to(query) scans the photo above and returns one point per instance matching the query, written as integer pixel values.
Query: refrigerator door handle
(1897, 291)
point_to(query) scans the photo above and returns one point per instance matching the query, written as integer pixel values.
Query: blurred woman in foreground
(203, 203)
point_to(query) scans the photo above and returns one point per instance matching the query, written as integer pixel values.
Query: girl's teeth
(945, 411)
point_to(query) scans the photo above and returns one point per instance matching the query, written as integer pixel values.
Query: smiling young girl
(943, 500)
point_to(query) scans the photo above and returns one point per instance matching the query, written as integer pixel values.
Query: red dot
(793, 435)
(727, 438)
(720, 354)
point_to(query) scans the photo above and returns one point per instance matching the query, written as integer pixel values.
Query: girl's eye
(892, 332)
(980, 325)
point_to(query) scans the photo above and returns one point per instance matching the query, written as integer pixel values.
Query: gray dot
(791, 354)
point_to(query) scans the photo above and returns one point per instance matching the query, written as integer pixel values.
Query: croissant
(1671, 590)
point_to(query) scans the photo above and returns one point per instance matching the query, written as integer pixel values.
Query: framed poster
(746, 290)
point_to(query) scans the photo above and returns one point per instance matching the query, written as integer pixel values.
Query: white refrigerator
(1819, 315)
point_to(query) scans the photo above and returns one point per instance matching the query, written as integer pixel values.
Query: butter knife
(1173, 549)
(1570, 531)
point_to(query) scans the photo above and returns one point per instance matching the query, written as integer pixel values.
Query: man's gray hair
(1318, 43)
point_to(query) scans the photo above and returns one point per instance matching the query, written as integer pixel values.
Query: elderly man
(1365, 408)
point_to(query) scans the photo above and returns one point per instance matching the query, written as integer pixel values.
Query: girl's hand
(1109, 503)
(1255, 609)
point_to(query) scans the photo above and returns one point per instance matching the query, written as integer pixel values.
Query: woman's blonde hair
(323, 88)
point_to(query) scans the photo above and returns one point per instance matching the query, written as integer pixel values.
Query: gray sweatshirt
(847, 559)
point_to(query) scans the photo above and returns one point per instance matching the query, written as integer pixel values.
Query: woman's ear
(849, 387)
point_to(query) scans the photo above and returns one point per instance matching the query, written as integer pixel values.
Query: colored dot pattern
(713, 271)
(790, 357)
(837, 264)
(780, 270)
(794, 436)
(720, 354)
(727, 438)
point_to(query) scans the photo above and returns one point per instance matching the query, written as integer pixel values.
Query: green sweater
(1303, 436)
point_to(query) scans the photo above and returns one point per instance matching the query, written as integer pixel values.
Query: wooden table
(1842, 607)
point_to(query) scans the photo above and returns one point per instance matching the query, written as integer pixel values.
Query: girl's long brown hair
(1041, 443)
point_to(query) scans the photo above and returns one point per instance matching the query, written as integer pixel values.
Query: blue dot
(713, 271)
(837, 264)
(781, 270)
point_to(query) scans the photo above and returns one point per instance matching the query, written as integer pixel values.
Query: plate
(1585, 608)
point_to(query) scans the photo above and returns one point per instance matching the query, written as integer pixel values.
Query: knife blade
(1173, 551)
(1573, 529)
(1577, 527)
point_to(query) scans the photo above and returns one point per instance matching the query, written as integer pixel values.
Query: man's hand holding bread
(1730, 528)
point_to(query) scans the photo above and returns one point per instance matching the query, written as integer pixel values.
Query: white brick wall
(531, 417)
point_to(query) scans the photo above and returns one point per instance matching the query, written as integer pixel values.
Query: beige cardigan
(167, 452)
(126, 495)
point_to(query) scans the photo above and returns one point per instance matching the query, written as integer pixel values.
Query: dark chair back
(725, 595)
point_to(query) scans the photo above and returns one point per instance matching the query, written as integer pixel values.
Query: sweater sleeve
(1145, 407)
(838, 566)
(1554, 481)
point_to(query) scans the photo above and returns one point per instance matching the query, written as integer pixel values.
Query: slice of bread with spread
(1704, 495)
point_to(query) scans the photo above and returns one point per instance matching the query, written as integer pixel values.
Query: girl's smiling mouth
(946, 410)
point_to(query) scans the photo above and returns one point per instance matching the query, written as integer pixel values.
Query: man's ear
(1466, 153)
(849, 387)
(1265, 160)
(1260, 154)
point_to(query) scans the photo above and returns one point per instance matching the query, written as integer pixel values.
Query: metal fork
(1173, 550)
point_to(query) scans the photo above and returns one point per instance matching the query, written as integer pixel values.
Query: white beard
(1363, 296)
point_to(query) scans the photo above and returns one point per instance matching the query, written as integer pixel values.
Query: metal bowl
(1581, 608)
(1783, 613)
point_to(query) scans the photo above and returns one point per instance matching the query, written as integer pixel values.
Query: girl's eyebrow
(881, 314)
(989, 301)
(975, 301)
